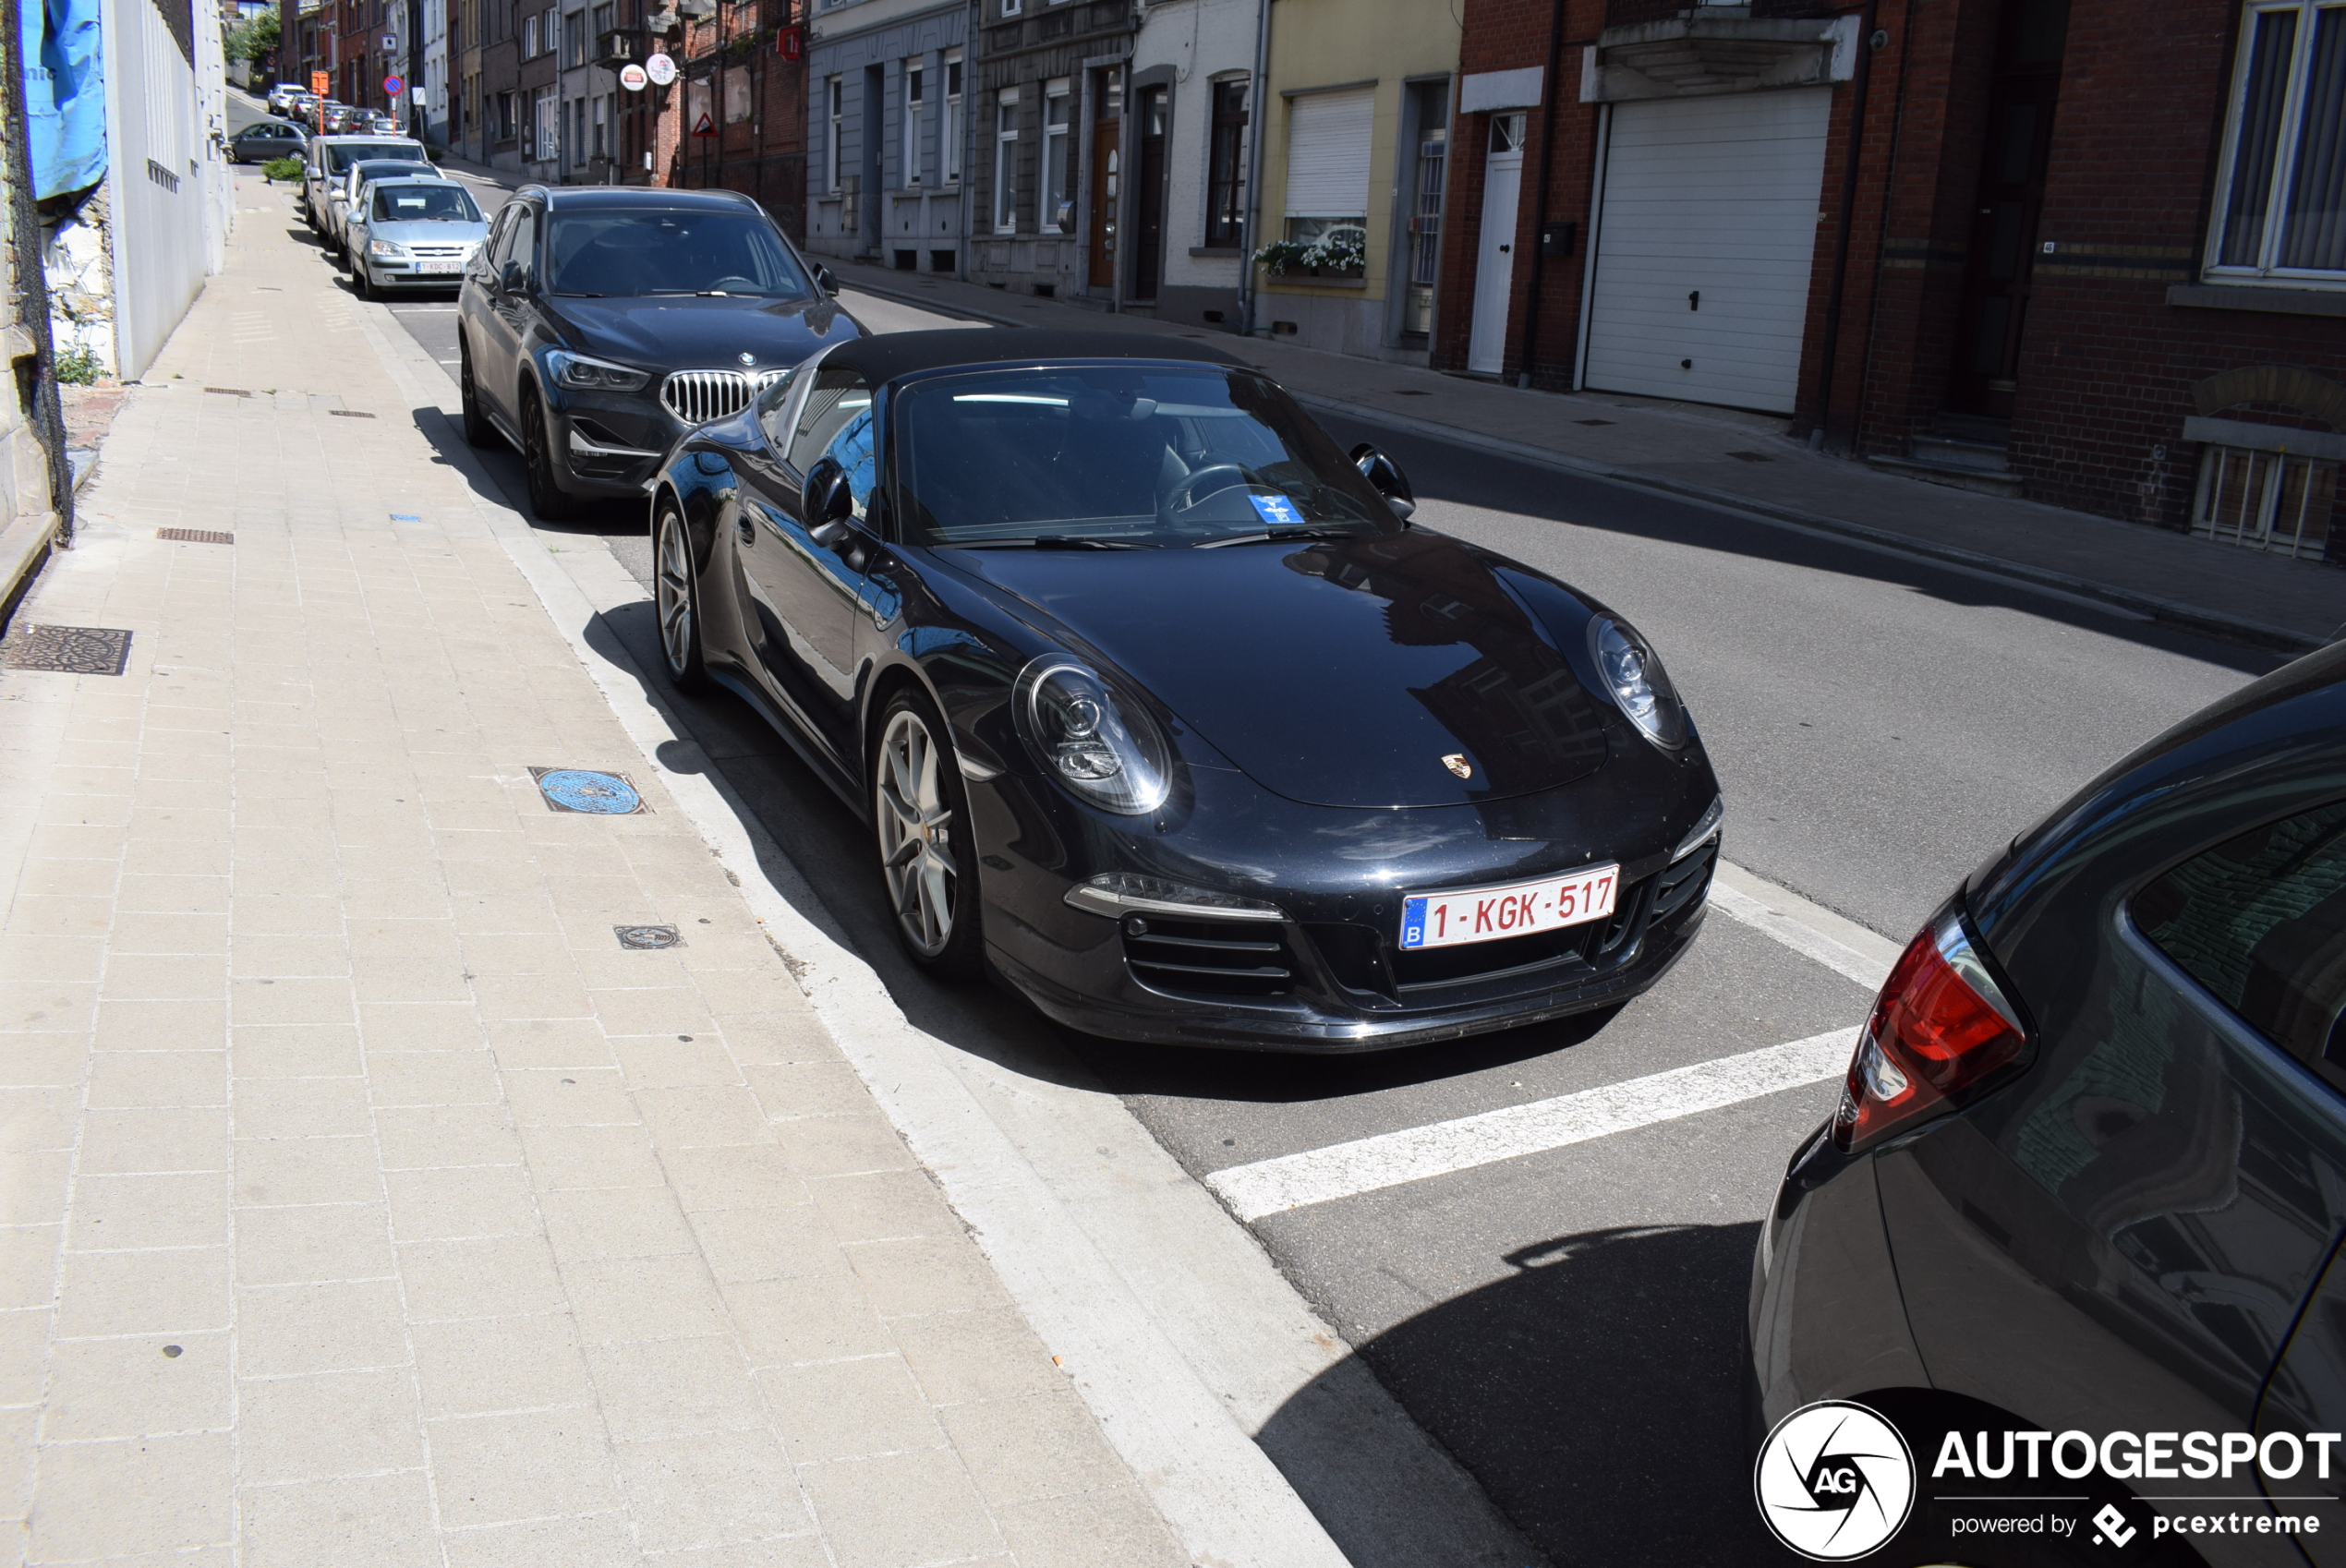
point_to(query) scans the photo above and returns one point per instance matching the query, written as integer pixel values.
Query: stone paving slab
(361, 1200)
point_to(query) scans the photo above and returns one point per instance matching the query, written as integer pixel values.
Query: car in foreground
(412, 234)
(349, 190)
(264, 139)
(2088, 1172)
(328, 159)
(599, 324)
(1160, 709)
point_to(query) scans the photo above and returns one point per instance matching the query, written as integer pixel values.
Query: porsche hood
(1388, 671)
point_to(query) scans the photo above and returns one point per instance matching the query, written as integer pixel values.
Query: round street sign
(660, 68)
(393, 86)
(631, 77)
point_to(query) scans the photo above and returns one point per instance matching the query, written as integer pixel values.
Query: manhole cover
(70, 650)
(582, 789)
(196, 535)
(640, 937)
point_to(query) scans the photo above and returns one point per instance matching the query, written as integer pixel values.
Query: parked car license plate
(1486, 914)
(440, 266)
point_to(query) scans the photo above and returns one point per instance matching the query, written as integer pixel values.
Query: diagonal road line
(1346, 1170)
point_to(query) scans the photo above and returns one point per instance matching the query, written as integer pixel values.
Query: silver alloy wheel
(673, 592)
(916, 850)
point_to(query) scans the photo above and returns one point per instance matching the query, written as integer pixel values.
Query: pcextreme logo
(1834, 1480)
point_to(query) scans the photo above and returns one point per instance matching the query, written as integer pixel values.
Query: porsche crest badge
(1456, 762)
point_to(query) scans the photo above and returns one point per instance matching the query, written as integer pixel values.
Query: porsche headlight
(1108, 751)
(1636, 681)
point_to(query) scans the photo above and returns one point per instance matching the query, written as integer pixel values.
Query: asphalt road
(1566, 1322)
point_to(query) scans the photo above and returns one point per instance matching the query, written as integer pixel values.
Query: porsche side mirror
(1385, 475)
(827, 501)
(825, 280)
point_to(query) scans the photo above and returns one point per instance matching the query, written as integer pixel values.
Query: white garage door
(1704, 245)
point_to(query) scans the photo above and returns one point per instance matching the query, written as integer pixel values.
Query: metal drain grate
(588, 792)
(69, 650)
(196, 535)
(349, 413)
(643, 938)
(228, 392)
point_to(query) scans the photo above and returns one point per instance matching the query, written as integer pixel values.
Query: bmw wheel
(546, 497)
(479, 431)
(676, 599)
(929, 856)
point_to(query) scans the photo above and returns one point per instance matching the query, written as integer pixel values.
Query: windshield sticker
(1276, 511)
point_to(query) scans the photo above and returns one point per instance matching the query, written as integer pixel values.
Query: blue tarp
(64, 93)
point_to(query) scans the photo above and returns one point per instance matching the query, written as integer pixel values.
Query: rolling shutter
(1706, 232)
(1327, 153)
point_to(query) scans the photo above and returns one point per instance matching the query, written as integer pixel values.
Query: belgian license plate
(440, 266)
(1487, 914)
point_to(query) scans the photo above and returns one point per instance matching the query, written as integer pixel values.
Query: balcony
(622, 46)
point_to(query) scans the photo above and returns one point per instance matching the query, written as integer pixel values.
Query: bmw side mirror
(824, 281)
(512, 279)
(1385, 475)
(827, 501)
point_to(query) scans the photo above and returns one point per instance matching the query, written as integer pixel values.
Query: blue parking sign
(1276, 511)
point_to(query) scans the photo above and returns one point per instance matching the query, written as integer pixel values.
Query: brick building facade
(2020, 246)
(738, 112)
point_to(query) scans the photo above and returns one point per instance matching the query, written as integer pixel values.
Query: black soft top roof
(889, 354)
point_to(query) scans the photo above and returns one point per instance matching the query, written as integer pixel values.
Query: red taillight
(1940, 1026)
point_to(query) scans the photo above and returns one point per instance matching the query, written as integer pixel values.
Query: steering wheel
(735, 286)
(1187, 492)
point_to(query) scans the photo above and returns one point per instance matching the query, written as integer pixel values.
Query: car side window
(2260, 921)
(835, 400)
(519, 240)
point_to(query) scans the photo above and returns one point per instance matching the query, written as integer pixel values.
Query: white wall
(165, 175)
(1201, 40)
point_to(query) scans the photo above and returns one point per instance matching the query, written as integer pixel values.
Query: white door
(1495, 258)
(1703, 244)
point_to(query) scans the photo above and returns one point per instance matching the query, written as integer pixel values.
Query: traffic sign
(418, 96)
(319, 81)
(393, 86)
(391, 43)
(631, 77)
(660, 68)
(790, 43)
(704, 126)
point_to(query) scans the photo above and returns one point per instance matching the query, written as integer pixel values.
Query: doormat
(586, 791)
(69, 650)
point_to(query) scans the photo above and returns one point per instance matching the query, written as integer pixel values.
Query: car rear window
(341, 155)
(2260, 921)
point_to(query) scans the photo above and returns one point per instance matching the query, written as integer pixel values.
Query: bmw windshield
(632, 254)
(441, 201)
(1119, 457)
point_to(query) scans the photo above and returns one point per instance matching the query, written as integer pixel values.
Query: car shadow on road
(1595, 1392)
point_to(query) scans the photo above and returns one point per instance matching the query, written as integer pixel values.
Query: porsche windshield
(1119, 457)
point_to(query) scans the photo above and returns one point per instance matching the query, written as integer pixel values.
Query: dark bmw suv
(2075, 1228)
(597, 324)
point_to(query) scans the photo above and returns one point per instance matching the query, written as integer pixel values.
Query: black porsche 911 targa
(1158, 704)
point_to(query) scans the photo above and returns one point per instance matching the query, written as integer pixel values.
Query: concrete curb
(2172, 612)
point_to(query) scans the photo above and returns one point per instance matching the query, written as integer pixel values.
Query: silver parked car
(349, 191)
(410, 233)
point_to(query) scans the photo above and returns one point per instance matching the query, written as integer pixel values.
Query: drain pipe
(969, 142)
(1249, 241)
(1830, 348)
(1531, 348)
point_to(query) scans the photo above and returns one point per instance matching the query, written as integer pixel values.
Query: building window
(2267, 501)
(528, 37)
(1006, 162)
(737, 95)
(1226, 168)
(915, 86)
(1057, 211)
(507, 129)
(2281, 203)
(835, 92)
(600, 143)
(1009, 7)
(1327, 165)
(604, 21)
(949, 133)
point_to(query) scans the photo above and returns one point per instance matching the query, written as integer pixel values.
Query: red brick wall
(764, 156)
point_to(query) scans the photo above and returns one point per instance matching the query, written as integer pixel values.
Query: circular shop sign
(631, 78)
(1834, 1480)
(660, 68)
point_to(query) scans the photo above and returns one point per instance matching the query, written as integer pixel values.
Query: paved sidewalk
(2295, 606)
(366, 1201)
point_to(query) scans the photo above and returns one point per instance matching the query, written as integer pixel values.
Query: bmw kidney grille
(698, 396)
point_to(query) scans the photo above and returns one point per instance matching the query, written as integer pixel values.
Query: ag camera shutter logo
(1834, 1480)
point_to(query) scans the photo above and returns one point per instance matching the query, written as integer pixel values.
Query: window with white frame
(950, 132)
(1006, 162)
(600, 143)
(1055, 210)
(835, 92)
(528, 37)
(2281, 209)
(916, 105)
(1009, 7)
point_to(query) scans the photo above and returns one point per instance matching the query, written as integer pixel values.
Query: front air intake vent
(1220, 958)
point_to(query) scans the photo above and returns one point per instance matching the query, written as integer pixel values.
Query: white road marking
(1841, 946)
(1392, 1159)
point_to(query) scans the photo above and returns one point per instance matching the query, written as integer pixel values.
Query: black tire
(676, 600)
(358, 279)
(910, 876)
(547, 498)
(479, 431)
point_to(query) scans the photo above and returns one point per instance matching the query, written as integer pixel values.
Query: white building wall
(435, 82)
(165, 171)
(1202, 41)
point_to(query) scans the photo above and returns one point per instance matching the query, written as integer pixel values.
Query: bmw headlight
(386, 251)
(581, 374)
(1108, 751)
(1636, 681)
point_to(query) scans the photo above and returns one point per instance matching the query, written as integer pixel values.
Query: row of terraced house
(2023, 246)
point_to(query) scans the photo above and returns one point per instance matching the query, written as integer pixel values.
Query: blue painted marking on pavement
(581, 789)
(405, 517)
(1278, 511)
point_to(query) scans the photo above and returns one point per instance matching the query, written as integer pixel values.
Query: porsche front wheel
(927, 852)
